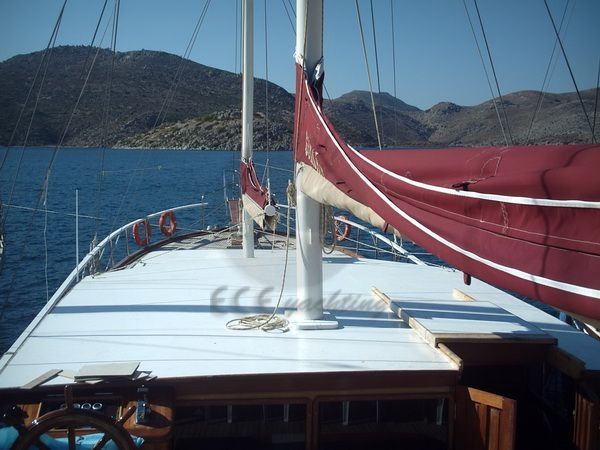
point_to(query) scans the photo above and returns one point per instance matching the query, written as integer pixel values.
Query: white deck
(169, 312)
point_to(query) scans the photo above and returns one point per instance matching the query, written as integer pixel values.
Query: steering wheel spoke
(70, 418)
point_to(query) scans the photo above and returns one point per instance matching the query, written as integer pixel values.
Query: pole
(247, 113)
(309, 263)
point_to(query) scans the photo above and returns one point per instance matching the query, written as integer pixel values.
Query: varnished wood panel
(484, 421)
(586, 427)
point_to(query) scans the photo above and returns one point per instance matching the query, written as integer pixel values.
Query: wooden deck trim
(452, 357)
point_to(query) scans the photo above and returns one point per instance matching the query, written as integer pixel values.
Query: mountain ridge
(204, 109)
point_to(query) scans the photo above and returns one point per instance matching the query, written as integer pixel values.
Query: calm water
(135, 183)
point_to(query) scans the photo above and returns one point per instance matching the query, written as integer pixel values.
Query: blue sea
(133, 183)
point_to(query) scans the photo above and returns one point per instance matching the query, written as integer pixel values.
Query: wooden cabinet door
(484, 421)
(586, 433)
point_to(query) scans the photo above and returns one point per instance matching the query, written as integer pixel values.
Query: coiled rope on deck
(272, 321)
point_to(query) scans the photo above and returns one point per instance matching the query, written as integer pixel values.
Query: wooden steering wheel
(72, 418)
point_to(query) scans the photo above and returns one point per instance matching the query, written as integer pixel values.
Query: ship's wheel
(70, 419)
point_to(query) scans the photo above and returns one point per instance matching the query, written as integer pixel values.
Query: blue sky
(436, 57)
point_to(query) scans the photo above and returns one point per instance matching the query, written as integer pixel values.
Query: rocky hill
(141, 88)
(560, 120)
(203, 111)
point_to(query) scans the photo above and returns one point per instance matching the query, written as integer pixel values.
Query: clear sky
(436, 56)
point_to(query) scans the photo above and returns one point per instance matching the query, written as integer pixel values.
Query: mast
(247, 113)
(309, 263)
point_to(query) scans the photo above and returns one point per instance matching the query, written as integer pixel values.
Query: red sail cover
(525, 219)
(255, 198)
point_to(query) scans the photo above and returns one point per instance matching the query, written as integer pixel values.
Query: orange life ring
(167, 223)
(342, 230)
(147, 232)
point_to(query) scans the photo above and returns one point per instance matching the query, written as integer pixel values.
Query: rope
(291, 194)
(487, 76)
(327, 226)
(494, 72)
(270, 322)
(541, 95)
(570, 70)
(364, 48)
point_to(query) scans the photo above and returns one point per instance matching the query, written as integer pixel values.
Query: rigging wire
(50, 211)
(541, 95)
(266, 171)
(596, 100)
(165, 106)
(106, 109)
(570, 70)
(377, 72)
(287, 13)
(87, 56)
(291, 4)
(364, 48)
(487, 76)
(237, 18)
(181, 67)
(57, 149)
(394, 71)
(494, 73)
(50, 47)
(47, 52)
(43, 199)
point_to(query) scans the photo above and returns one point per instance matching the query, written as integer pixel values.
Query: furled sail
(525, 219)
(257, 200)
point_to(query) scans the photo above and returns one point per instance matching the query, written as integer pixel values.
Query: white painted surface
(456, 318)
(309, 270)
(169, 312)
(309, 52)
(247, 113)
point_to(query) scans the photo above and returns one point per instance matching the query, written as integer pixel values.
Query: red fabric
(554, 242)
(251, 186)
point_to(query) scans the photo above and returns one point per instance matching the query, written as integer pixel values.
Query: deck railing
(367, 242)
(117, 246)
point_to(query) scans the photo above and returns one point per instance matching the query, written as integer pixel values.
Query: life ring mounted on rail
(342, 229)
(167, 223)
(139, 240)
